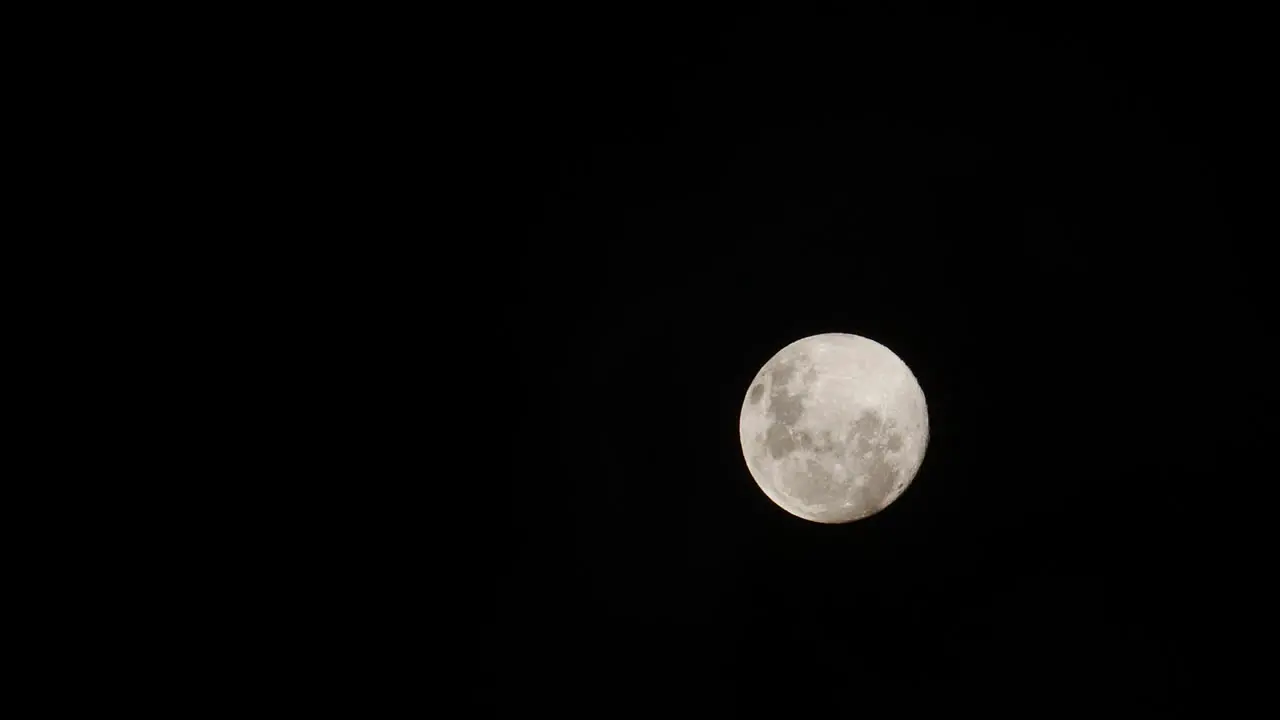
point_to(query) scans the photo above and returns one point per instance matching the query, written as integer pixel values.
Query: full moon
(834, 427)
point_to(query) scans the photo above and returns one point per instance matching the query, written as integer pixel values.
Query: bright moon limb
(834, 427)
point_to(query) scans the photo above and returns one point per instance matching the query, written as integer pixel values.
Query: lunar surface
(834, 427)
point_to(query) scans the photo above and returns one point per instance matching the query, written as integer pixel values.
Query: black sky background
(1041, 215)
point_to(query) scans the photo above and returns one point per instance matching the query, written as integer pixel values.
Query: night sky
(1040, 215)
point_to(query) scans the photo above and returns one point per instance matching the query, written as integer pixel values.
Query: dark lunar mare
(784, 409)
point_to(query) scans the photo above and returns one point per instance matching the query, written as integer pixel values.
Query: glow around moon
(834, 427)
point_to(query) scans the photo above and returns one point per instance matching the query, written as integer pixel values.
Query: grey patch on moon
(784, 410)
(781, 375)
(826, 441)
(757, 392)
(779, 441)
(814, 485)
(880, 470)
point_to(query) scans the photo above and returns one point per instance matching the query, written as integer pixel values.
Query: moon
(834, 428)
